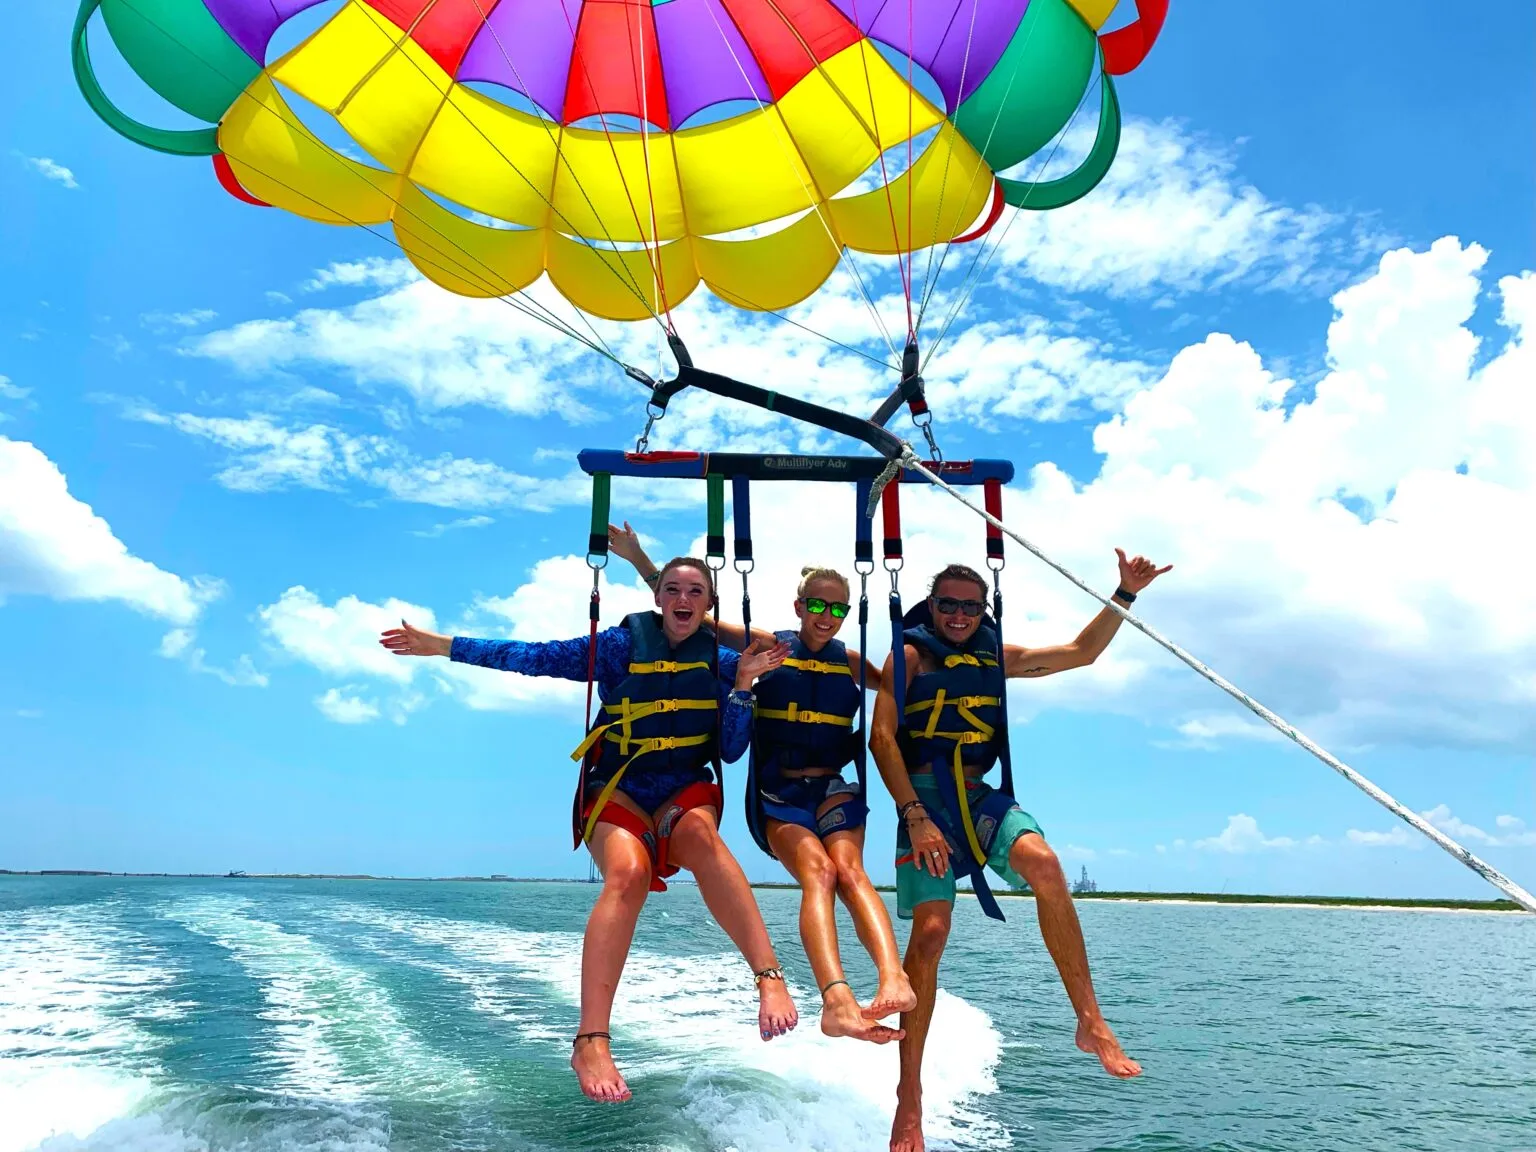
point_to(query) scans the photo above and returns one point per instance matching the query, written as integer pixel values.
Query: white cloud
(1171, 214)
(373, 272)
(347, 709)
(464, 522)
(266, 455)
(52, 544)
(1513, 832)
(1359, 626)
(10, 391)
(171, 321)
(1396, 837)
(341, 640)
(50, 170)
(1242, 835)
(179, 644)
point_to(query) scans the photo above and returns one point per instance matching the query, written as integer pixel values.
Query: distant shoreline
(1234, 898)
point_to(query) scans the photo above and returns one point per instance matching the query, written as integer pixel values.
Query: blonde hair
(810, 574)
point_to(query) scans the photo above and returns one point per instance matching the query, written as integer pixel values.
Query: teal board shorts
(915, 886)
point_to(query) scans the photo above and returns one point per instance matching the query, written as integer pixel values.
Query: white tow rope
(1487, 871)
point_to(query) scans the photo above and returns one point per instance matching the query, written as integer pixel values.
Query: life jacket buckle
(972, 738)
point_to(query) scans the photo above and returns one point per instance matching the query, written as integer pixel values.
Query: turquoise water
(337, 1016)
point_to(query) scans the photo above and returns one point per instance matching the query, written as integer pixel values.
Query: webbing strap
(796, 715)
(890, 506)
(741, 513)
(659, 744)
(819, 666)
(667, 666)
(714, 538)
(955, 659)
(597, 541)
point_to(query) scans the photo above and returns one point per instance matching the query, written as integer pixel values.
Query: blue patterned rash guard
(567, 660)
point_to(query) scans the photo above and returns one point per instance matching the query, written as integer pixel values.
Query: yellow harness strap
(653, 744)
(795, 715)
(980, 732)
(666, 666)
(819, 666)
(967, 658)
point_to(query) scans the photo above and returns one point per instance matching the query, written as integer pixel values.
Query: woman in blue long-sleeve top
(648, 805)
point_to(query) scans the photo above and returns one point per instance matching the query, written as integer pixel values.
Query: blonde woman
(801, 808)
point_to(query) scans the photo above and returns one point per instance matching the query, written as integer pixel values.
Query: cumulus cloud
(1512, 831)
(50, 170)
(52, 544)
(453, 525)
(180, 644)
(1241, 835)
(162, 322)
(1342, 555)
(346, 709)
(341, 641)
(265, 455)
(1172, 214)
(1396, 837)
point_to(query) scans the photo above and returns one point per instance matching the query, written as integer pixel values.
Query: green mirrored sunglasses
(815, 605)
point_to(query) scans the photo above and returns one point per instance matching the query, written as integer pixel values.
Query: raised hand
(760, 658)
(1138, 573)
(625, 544)
(408, 641)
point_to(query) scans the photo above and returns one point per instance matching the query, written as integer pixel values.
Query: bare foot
(843, 1017)
(907, 1128)
(894, 995)
(599, 1077)
(1096, 1038)
(776, 1013)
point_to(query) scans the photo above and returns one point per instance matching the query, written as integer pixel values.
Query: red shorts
(700, 794)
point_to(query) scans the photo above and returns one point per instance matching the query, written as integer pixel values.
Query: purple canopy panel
(526, 46)
(952, 40)
(250, 23)
(704, 59)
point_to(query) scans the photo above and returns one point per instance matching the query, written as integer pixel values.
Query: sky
(1286, 346)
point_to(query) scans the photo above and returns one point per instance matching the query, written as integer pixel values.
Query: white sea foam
(72, 1055)
(698, 1016)
(336, 1032)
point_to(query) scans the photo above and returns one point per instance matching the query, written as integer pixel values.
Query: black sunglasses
(948, 604)
(815, 605)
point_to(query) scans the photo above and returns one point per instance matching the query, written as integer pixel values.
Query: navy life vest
(806, 711)
(664, 715)
(954, 718)
(957, 705)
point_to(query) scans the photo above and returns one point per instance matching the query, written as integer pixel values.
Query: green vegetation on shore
(1148, 897)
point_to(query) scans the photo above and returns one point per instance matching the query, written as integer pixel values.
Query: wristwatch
(742, 696)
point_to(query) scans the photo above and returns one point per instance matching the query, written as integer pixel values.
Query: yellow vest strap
(966, 658)
(655, 744)
(819, 666)
(666, 666)
(795, 716)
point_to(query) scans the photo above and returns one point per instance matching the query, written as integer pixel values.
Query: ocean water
(354, 1016)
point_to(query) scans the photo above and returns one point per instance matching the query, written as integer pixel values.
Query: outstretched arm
(1091, 641)
(564, 659)
(929, 849)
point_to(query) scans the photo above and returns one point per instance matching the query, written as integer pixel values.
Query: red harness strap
(700, 794)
